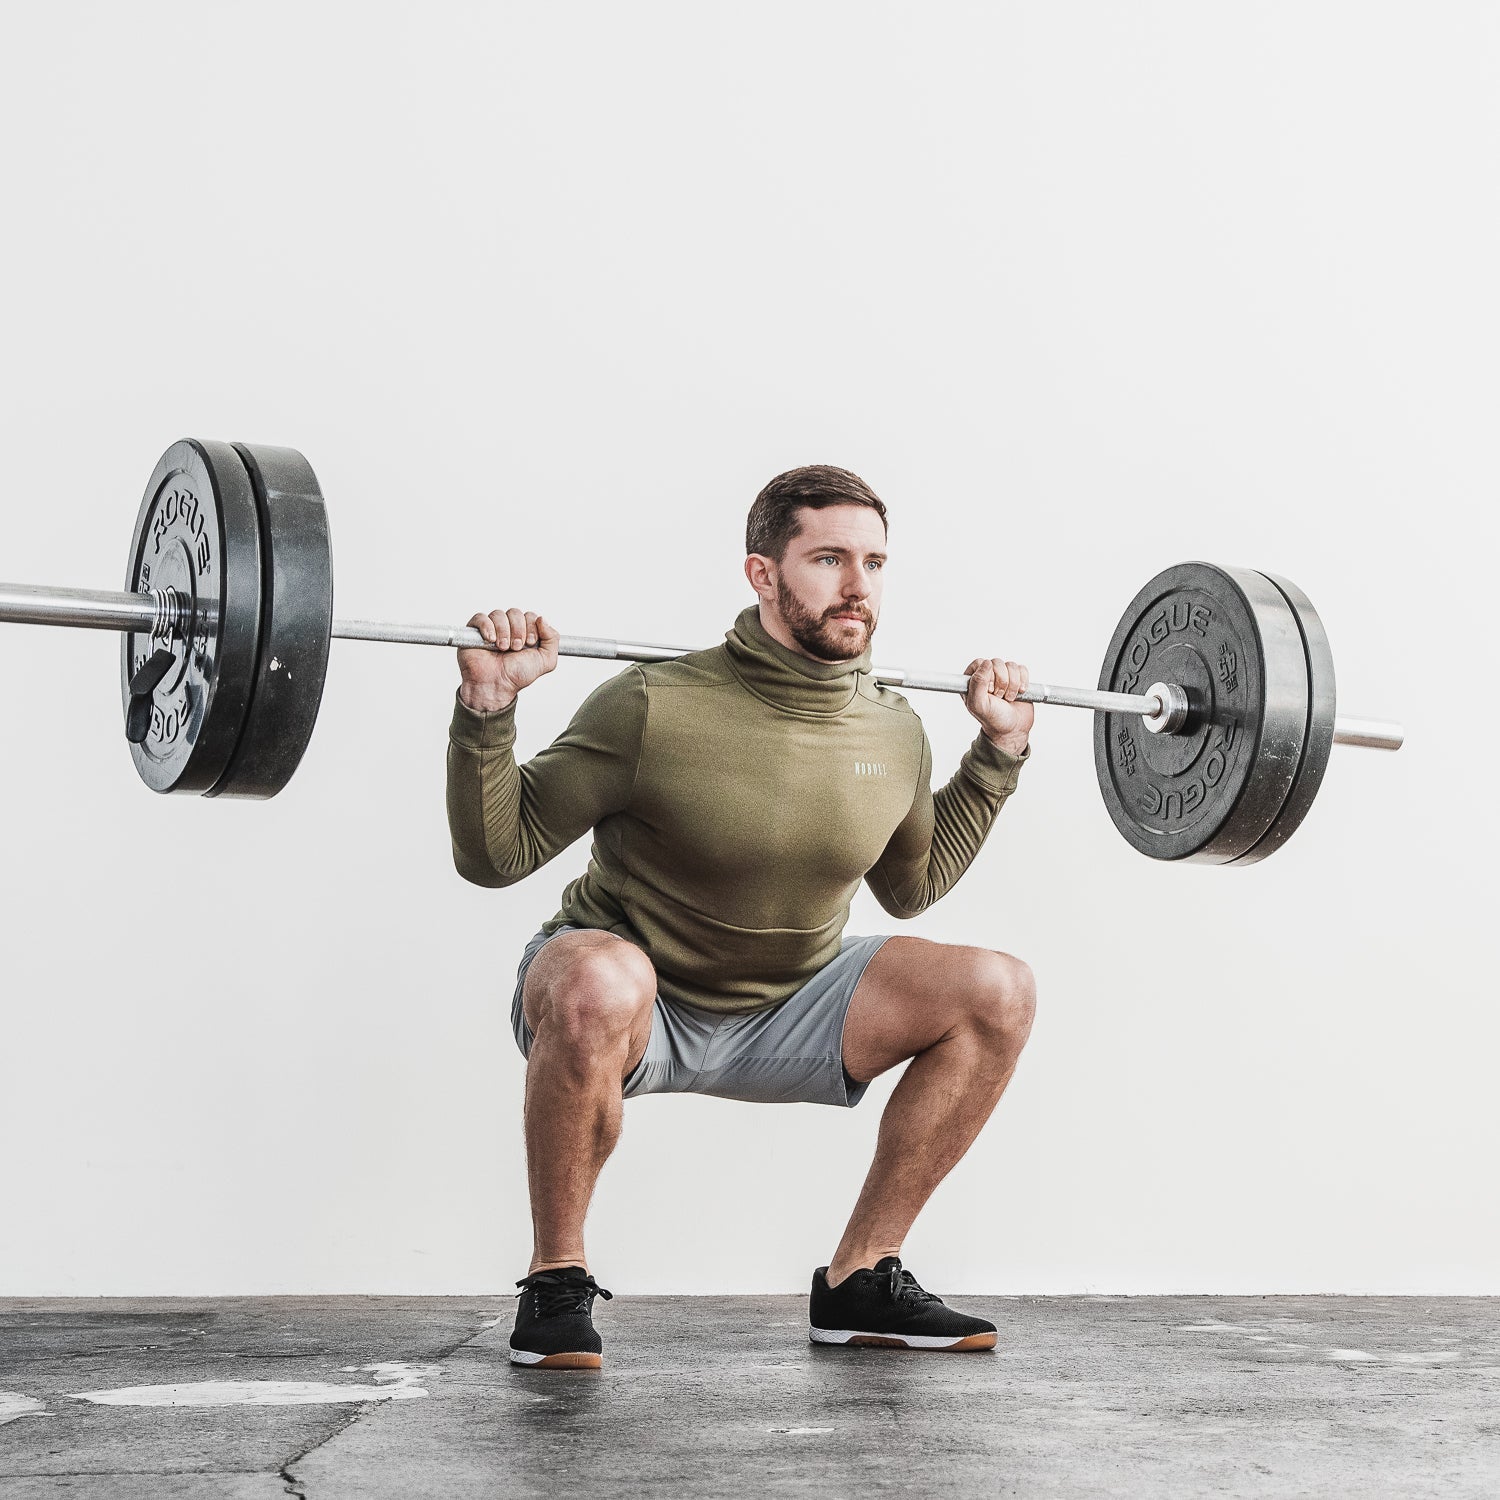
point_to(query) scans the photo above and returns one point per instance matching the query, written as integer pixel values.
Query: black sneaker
(554, 1327)
(887, 1308)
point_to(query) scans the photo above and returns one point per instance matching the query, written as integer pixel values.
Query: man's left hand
(991, 698)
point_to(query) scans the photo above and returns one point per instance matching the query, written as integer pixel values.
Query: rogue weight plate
(1317, 745)
(197, 534)
(295, 627)
(1230, 639)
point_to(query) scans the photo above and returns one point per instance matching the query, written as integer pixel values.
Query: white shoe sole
(901, 1340)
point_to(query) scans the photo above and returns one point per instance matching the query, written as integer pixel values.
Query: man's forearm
(481, 767)
(508, 820)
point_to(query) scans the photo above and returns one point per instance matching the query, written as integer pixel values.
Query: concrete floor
(367, 1397)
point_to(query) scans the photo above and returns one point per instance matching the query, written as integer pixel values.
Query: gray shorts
(792, 1054)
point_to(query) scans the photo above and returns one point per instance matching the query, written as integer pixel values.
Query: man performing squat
(738, 796)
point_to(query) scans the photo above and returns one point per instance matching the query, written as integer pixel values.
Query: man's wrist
(481, 702)
(1010, 743)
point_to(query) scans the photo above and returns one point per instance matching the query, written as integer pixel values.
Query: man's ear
(758, 571)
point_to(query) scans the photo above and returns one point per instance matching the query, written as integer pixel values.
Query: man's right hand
(526, 648)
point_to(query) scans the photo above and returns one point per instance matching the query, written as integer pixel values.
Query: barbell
(1214, 712)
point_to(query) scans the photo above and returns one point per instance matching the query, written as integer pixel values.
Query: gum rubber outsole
(577, 1361)
(894, 1341)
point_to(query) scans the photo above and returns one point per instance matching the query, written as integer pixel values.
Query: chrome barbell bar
(1163, 706)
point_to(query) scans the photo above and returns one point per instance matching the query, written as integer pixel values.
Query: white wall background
(546, 294)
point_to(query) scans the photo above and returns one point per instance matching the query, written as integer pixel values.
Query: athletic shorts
(792, 1054)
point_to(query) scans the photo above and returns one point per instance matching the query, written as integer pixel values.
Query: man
(738, 796)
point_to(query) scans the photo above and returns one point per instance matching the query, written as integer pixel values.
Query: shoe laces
(904, 1287)
(556, 1294)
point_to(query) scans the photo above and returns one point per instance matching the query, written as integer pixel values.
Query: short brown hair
(773, 518)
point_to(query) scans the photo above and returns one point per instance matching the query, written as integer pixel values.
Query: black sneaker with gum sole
(554, 1321)
(886, 1308)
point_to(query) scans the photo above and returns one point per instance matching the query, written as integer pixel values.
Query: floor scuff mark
(13, 1406)
(1253, 1335)
(399, 1382)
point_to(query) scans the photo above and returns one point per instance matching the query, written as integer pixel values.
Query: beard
(821, 635)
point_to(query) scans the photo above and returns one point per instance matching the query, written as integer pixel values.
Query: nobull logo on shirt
(870, 768)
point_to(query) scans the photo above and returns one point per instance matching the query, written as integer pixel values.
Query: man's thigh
(912, 995)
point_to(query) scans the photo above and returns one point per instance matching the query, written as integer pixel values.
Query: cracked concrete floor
(334, 1398)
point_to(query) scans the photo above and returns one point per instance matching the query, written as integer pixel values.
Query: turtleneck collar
(783, 677)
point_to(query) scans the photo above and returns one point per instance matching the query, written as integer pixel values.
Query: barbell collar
(165, 612)
(1171, 714)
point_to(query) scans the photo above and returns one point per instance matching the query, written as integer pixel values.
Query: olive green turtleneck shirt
(738, 796)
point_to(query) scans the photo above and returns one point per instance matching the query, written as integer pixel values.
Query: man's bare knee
(1002, 999)
(594, 990)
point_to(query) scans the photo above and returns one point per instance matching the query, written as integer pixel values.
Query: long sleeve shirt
(737, 797)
